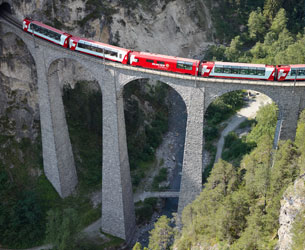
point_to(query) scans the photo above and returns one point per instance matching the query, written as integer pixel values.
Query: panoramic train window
(113, 53)
(243, 71)
(97, 49)
(184, 65)
(239, 70)
(218, 69)
(298, 71)
(235, 70)
(150, 61)
(260, 71)
(160, 62)
(227, 70)
(45, 31)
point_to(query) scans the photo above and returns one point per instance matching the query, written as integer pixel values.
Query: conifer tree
(162, 235)
(257, 25)
(137, 246)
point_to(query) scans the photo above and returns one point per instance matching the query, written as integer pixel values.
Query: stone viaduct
(118, 217)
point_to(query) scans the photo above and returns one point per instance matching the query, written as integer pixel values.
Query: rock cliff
(19, 109)
(181, 27)
(292, 204)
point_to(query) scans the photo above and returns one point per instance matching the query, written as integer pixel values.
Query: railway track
(8, 18)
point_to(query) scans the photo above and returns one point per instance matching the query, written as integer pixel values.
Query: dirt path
(253, 105)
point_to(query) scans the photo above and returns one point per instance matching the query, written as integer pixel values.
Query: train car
(290, 72)
(99, 49)
(163, 62)
(238, 70)
(46, 32)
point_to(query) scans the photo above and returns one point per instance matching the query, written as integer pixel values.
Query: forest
(240, 203)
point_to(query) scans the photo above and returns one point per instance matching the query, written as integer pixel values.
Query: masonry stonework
(117, 202)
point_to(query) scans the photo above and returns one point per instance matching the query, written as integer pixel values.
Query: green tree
(299, 141)
(257, 166)
(62, 227)
(279, 23)
(266, 121)
(230, 218)
(257, 25)
(285, 168)
(234, 52)
(253, 237)
(298, 229)
(259, 52)
(271, 7)
(223, 179)
(162, 235)
(21, 219)
(137, 246)
(295, 52)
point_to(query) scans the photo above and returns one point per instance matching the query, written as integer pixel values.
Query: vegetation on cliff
(269, 39)
(239, 206)
(230, 18)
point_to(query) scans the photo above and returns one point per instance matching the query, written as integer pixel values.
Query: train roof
(159, 56)
(297, 65)
(77, 39)
(291, 66)
(244, 64)
(47, 27)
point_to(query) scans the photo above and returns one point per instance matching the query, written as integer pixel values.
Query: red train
(47, 32)
(164, 62)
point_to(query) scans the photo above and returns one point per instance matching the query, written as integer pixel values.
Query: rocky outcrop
(170, 28)
(180, 28)
(19, 109)
(292, 204)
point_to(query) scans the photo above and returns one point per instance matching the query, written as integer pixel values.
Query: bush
(22, 220)
(235, 148)
(144, 210)
(162, 176)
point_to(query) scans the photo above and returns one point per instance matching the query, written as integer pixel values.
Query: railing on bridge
(150, 71)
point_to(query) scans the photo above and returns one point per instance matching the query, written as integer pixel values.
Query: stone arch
(4, 29)
(66, 67)
(63, 71)
(176, 87)
(175, 158)
(221, 91)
